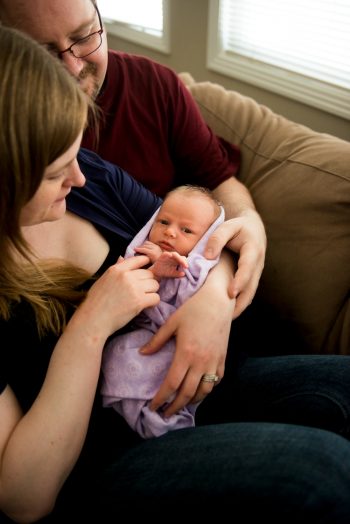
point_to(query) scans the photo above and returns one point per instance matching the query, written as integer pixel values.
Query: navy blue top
(119, 207)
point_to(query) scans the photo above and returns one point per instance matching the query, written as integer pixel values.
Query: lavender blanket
(130, 379)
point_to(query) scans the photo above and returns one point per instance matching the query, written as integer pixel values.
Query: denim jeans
(271, 444)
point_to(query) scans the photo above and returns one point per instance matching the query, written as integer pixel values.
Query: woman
(62, 295)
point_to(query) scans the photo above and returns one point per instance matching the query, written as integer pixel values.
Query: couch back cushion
(300, 182)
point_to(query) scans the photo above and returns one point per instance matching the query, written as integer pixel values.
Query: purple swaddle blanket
(129, 379)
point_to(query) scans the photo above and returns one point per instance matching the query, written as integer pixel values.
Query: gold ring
(209, 377)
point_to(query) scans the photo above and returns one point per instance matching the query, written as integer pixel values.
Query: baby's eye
(186, 230)
(163, 221)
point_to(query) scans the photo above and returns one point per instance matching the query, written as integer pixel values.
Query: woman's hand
(120, 294)
(201, 327)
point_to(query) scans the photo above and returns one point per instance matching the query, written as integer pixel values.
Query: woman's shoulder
(111, 198)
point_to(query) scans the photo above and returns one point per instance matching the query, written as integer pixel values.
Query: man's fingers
(158, 340)
(218, 240)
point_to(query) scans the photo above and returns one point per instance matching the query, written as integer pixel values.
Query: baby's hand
(169, 265)
(151, 250)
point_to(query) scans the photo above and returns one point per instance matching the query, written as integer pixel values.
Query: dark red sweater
(153, 129)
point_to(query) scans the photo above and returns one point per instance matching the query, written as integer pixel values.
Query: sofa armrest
(300, 182)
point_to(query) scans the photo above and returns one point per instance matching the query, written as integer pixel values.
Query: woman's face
(49, 202)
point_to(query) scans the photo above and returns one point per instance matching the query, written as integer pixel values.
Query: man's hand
(201, 327)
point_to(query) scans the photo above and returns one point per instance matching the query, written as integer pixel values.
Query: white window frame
(137, 35)
(313, 92)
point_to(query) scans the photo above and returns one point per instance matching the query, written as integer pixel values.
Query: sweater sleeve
(111, 198)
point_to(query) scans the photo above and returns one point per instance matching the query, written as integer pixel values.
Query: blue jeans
(271, 443)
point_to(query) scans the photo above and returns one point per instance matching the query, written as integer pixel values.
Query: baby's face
(181, 222)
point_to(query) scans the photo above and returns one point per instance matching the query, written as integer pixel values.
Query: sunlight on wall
(148, 15)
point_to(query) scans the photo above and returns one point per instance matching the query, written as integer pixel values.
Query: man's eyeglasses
(85, 46)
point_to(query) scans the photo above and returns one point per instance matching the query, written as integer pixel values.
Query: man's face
(58, 24)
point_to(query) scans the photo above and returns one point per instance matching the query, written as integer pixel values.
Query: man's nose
(73, 64)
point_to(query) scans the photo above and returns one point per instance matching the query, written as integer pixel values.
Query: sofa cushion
(300, 182)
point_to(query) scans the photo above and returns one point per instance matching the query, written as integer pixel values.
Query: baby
(174, 240)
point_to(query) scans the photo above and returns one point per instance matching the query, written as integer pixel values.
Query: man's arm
(201, 326)
(243, 233)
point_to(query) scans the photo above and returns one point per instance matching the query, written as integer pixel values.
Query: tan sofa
(300, 182)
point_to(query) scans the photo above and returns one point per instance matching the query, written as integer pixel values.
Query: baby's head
(185, 215)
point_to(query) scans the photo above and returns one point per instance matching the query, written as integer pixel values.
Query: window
(297, 48)
(140, 21)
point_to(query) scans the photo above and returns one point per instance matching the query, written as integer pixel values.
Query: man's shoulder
(131, 64)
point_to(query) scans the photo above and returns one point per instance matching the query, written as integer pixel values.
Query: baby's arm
(164, 263)
(169, 265)
(149, 249)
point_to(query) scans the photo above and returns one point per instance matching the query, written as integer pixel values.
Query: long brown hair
(42, 111)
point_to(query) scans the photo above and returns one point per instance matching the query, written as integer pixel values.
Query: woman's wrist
(86, 329)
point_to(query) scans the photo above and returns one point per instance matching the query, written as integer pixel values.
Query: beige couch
(300, 182)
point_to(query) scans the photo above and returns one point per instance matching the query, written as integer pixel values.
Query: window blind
(298, 48)
(311, 37)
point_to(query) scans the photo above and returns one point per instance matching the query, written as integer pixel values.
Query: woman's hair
(42, 112)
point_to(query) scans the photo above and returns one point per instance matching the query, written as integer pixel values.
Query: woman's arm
(202, 327)
(38, 450)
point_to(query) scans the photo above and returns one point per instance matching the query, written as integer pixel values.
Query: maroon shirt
(152, 128)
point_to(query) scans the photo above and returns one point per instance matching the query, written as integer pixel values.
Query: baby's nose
(170, 232)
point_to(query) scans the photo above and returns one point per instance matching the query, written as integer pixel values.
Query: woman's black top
(118, 206)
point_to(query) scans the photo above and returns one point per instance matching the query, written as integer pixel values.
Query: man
(151, 127)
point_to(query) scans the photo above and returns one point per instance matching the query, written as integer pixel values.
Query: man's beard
(90, 71)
